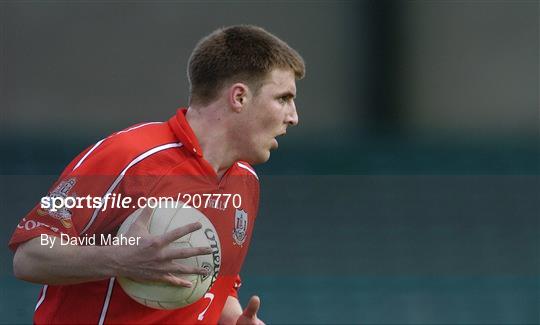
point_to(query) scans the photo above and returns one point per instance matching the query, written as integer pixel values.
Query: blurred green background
(409, 192)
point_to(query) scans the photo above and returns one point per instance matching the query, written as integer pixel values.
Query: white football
(161, 295)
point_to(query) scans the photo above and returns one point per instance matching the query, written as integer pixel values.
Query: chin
(260, 158)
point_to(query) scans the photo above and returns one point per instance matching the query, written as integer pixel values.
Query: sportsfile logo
(59, 204)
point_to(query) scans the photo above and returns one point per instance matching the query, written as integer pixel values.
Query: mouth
(275, 138)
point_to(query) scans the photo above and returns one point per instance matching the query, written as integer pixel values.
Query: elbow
(21, 266)
(18, 267)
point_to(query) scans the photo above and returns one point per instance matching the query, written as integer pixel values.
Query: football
(161, 295)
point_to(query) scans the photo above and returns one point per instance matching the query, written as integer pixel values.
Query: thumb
(252, 307)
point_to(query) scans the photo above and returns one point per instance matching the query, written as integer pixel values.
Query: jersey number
(207, 295)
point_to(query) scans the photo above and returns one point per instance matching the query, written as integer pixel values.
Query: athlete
(242, 91)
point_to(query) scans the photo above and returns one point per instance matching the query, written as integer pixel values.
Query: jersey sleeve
(42, 221)
(48, 218)
(86, 178)
(96, 179)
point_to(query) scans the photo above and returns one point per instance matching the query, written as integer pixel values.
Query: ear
(238, 96)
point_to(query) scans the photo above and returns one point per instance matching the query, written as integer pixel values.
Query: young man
(242, 98)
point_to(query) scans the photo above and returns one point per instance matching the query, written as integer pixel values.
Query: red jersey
(159, 159)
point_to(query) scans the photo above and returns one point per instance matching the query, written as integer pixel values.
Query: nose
(292, 118)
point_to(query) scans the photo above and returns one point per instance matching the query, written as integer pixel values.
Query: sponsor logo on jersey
(240, 227)
(63, 214)
(31, 224)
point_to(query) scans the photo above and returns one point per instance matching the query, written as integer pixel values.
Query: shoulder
(141, 137)
(127, 147)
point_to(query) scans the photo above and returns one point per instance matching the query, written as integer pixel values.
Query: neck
(208, 124)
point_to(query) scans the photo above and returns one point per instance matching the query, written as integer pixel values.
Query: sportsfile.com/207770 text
(183, 200)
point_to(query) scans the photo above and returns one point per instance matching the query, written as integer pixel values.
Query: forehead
(281, 80)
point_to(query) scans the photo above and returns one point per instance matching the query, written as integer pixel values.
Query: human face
(267, 115)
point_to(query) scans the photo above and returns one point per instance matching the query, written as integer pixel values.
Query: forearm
(62, 264)
(150, 259)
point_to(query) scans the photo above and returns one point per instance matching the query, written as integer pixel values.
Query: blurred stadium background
(410, 192)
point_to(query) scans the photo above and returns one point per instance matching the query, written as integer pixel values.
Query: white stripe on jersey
(106, 303)
(136, 127)
(40, 301)
(121, 176)
(111, 188)
(100, 141)
(88, 153)
(248, 169)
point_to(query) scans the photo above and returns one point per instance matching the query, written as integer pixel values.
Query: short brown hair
(242, 53)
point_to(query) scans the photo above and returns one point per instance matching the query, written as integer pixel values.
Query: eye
(284, 99)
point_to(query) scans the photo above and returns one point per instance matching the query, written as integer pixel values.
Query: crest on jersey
(61, 190)
(240, 226)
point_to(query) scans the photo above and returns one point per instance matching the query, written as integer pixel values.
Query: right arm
(151, 260)
(60, 265)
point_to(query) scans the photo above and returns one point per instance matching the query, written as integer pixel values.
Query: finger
(144, 218)
(179, 232)
(174, 280)
(182, 269)
(169, 278)
(172, 253)
(252, 307)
